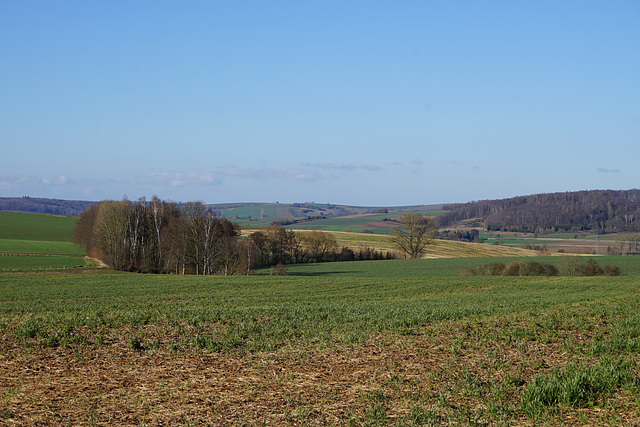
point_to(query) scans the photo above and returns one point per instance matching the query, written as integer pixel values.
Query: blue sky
(374, 103)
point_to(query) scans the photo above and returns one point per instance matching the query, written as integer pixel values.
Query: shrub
(568, 265)
(532, 269)
(495, 269)
(513, 269)
(281, 270)
(591, 268)
(550, 270)
(611, 270)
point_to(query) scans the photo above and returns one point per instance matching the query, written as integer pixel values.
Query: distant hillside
(44, 206)
(268, 212)
(598, 210)
(264, 213)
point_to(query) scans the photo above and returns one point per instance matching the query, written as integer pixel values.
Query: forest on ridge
(603, 211)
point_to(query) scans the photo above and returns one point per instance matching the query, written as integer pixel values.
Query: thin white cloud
(278, 172)
(219, 177)
(176, 179)
(23, 180)
(417, 166)
(58, 180)
(28, 185)
(343, 166)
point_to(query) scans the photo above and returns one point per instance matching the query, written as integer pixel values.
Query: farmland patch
(115, 348)
(25, 226)
(38, 262)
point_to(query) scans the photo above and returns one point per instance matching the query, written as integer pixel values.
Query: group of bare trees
(161, 237)
(626, 244)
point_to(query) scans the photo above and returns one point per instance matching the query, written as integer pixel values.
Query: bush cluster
(517, 268)
(569, 267)
(572, 266)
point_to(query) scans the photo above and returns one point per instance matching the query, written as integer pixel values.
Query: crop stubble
(467, 371)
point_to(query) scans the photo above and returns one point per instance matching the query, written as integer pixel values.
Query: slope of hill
(600, 210)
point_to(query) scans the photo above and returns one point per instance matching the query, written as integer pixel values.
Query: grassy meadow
(394, 342)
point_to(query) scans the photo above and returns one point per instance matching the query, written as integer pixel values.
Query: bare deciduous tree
(414, 234)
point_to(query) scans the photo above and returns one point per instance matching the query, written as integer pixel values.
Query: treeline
(276, 245)
(163, 237)
(472, 235)
(44, 206)
(603, 211)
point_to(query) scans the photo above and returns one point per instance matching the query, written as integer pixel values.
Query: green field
(365, 297)
(422, 346)
(35, 242)
(443, 267)
(10, 246)
(25, 226)
(21, 262)
(256, 212)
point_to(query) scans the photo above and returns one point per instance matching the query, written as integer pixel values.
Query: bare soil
(112, 384)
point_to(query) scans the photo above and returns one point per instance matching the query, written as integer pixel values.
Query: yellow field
(438, 249)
